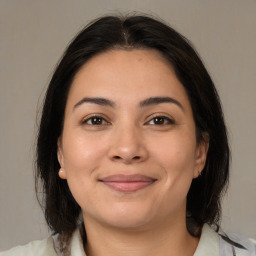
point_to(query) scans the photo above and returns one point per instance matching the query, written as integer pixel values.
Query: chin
(128, 223)
(128, 217)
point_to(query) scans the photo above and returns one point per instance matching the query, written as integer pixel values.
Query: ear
(62, 172)
(201, 155)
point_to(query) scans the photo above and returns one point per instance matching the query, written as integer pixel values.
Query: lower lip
(128, 187)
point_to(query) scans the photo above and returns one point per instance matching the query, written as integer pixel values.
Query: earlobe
(62, 174)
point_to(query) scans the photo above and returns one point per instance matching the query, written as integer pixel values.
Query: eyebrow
(98, 101)
(145, 103)
(159, 100)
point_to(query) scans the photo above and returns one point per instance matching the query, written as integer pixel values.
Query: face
(128, 148)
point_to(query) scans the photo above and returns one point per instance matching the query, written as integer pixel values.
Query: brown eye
(161, 120)
(95, 120)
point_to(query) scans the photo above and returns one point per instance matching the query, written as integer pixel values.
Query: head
(115, 34)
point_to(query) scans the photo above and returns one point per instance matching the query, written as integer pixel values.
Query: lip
(127, 183)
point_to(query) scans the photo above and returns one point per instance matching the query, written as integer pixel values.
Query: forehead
(121, 74)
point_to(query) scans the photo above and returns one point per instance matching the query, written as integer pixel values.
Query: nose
(128, 146)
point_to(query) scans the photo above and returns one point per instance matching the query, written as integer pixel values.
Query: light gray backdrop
(33, 35)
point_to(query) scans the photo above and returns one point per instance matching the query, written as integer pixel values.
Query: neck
(164, 240)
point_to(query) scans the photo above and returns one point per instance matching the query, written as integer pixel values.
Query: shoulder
(40, 248)
(48, 247)
(234, 244)
(217, 243)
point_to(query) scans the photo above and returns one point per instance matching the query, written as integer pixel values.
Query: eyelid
(161, 115)
(85, 119)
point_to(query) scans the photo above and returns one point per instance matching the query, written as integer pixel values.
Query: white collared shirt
(210, 244)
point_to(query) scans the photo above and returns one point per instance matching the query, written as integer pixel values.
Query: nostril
(119, 157)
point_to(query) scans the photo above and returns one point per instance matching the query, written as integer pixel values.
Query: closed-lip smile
(127, 183)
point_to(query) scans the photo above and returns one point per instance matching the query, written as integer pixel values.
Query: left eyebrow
(158, 100)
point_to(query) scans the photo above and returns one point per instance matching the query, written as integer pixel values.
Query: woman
(132, 149)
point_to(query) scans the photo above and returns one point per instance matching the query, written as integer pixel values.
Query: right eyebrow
(98, 101)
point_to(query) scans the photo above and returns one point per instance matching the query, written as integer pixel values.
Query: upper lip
(127, 178)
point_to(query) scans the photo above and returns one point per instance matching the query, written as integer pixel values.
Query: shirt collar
(208, 243)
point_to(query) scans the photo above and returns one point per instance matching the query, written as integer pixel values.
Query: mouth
(127, 183)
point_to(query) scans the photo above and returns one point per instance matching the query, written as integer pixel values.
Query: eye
(95, 120)
(160, 120)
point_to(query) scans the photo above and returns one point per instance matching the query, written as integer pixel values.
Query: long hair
(62, 212)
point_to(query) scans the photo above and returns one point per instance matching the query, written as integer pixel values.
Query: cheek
(176, 153)
(82, 156)
(82, 153)
(176, 157)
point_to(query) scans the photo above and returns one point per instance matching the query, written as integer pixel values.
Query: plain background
(33, 36)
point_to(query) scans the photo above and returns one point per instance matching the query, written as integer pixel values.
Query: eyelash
(102, 121)
(95, 117)
(164, 120)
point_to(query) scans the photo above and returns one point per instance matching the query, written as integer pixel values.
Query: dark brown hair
(62, 212)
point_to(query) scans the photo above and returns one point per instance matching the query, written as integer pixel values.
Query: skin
(128, 139)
